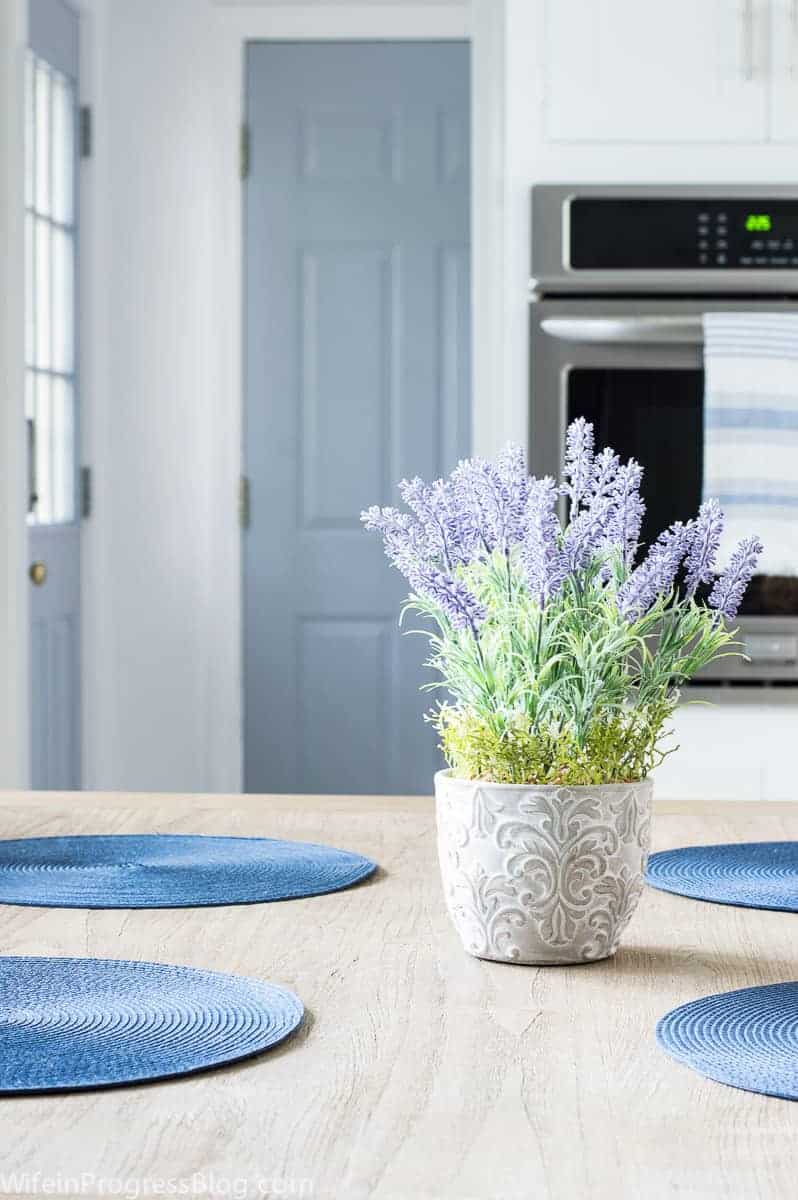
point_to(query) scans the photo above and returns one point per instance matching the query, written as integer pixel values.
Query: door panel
(55, 681)
(360, 354)
(357, 359)
(51, 392)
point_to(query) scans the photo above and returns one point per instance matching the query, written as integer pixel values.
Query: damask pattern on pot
(542, 874)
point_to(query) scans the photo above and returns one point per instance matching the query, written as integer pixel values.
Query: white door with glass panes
(51, 392)
(655, 71)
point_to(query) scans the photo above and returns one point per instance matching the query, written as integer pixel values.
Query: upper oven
(659, 239)
(624, 349)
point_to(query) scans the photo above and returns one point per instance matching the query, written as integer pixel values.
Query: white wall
(13, 534)
(159, 347)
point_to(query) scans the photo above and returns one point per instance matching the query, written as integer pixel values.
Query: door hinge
(85, 492)
(243, 502)
(85, 131)
(243, 150)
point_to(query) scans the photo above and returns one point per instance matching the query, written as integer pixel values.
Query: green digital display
(757, 223)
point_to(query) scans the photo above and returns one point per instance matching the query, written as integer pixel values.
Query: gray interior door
(51, 392)
(357, 374)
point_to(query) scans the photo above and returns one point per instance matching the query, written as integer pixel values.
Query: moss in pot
(561, 645)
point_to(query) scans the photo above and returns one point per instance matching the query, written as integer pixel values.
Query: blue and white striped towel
(751, 431)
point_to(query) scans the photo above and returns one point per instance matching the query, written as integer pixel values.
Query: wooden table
(420, 1073)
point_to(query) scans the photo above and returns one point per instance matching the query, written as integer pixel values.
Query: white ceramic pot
(541, 874)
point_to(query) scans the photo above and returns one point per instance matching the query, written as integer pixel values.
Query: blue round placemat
(751, 874)
(747, 1038)
(169, 870)
(69, 1023)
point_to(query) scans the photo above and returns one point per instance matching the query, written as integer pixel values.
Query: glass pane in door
(50, 302)
(42, 128)
(63, 164)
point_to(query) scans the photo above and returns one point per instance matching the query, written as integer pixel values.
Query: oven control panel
(676, 234)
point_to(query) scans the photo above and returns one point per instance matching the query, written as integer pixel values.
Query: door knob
(38, 573)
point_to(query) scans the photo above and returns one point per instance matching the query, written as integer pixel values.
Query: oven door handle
(626, 330)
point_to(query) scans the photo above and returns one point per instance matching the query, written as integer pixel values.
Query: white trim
(14, 630)
(98, 710)
(342, 22)
(522, 41)
(298, 4)
(224, 740)
(491, 422)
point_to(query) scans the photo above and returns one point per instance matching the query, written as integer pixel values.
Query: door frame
(483, 26)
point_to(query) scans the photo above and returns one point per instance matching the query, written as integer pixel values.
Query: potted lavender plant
(562, 648)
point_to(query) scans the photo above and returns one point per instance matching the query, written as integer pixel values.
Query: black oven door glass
(656, 416)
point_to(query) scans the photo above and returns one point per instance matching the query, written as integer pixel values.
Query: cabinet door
(784, 70)
(656, 70)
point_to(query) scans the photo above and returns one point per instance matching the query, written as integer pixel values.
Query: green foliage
(570, 693)
(616, 749)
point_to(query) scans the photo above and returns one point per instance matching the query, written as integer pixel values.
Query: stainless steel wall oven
(621, 278)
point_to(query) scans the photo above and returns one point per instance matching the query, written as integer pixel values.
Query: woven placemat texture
(169, 870)
(750, 874)
(747, 1038)
(68, 1023)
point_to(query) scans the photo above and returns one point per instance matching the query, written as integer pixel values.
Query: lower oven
(634, 367)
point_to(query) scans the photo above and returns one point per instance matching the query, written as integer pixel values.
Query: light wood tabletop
(420, 1073)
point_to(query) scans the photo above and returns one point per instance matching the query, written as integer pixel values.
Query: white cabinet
(783, 70)
(666, 70)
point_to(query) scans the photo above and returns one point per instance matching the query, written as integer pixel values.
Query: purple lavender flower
(460, 605)
(512, 469)
(587, 533)
(656, 574)
(408, 548)
(488, 504)
(700, 559)
(544, 563)
(730, 586)
(449, 537)
(403, 537)
(623, 528)
(579, 444)
(605, 470)
(461, 536)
